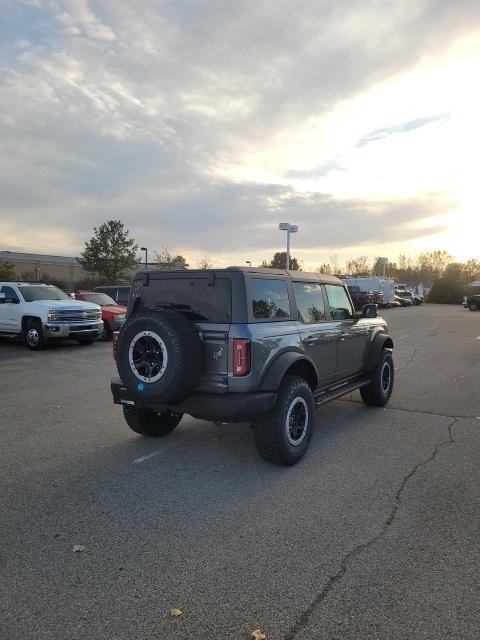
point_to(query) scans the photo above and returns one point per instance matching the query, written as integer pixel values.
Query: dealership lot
(373, 535)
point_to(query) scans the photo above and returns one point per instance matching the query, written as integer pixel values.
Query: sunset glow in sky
(202, 125)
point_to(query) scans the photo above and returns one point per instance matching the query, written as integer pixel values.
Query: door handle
(310, 341)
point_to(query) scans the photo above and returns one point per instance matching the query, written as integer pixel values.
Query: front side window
(340, 306)
(311, 308)
(269, 299)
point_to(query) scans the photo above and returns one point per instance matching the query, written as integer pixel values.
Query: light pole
(384, 265)
(289, 228)
(146, 256)
(249, 262)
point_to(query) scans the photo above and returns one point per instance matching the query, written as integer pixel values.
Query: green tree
(204, 263)
(166, 260)
(359, 267)
(110, 252)
(7, 271)
(472, 270)
(433, 263)
(325, 267)
(279, 261)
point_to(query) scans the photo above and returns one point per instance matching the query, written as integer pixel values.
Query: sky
(202, 124)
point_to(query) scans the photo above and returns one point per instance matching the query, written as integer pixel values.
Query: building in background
(36, 267)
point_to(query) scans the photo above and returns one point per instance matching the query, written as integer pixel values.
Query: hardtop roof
(295, 275)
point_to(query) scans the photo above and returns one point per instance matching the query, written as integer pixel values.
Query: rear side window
(123, 295)
(310, 303)
(196, 298)
(269, 299)
(340, 306)
(9, 293)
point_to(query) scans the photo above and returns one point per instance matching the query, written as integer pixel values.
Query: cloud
(150, 111)
(404, 127)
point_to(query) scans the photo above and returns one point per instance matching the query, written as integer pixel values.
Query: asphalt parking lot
(375, 534)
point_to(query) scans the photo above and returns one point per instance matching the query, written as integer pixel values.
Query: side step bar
(323, 397)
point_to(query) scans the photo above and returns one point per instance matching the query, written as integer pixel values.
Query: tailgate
(214, 374)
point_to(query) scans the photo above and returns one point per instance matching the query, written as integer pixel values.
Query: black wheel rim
(297, 420)
(148, 356)
(386, 377)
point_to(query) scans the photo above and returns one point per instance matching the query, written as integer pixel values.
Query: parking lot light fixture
(146, 254)
(289, 228)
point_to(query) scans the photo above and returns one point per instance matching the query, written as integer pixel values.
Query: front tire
(34, 336)
(149, 423)
(377, 393)
(473, 306)
(107, 332)
(283, 436)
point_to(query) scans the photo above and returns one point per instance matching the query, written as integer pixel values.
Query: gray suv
(243, 344)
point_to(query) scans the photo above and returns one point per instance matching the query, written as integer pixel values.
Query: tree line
(111, 254)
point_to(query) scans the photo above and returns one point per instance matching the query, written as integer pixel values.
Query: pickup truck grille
(74, 315)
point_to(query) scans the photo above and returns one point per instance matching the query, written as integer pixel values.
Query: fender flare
(278, 368)
(380, 341)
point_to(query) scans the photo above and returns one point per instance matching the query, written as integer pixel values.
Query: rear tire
(283, 436)
(378, 392)
(473, 306)
(149, 423)
(34, 336)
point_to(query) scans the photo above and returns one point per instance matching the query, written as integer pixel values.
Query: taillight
(114, 343)
(241, 357)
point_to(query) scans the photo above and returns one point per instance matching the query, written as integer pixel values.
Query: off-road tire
(33, 335)
(377, 393)
(85, 341)
(148, 423)
(271, 433)
(172, 343)
(473, 306)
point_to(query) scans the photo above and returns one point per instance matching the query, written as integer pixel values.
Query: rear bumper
(225, 407)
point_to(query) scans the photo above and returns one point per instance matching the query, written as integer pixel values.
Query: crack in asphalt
(419, 411)
(412, 358)
(353, 553)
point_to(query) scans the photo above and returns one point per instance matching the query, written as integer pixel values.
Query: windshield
(98, 298)
(49, 292)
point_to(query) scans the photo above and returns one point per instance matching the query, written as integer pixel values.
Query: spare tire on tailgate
(159, 356)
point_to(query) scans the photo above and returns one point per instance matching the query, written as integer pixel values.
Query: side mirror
(369, 311)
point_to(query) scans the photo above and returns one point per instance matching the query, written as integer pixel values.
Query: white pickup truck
(40, 312)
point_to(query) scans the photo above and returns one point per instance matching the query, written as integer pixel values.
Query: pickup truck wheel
(378, 392)
(148, 423)
(33, 336)
(159, 355)
(473, 306)
(106, 334)
(283, 436)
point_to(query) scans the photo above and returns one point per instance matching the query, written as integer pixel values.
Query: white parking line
(155, 453)
(402, 337)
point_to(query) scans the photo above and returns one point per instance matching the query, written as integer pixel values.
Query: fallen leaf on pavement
(258, 635)
(78, 547)
(175, 613)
